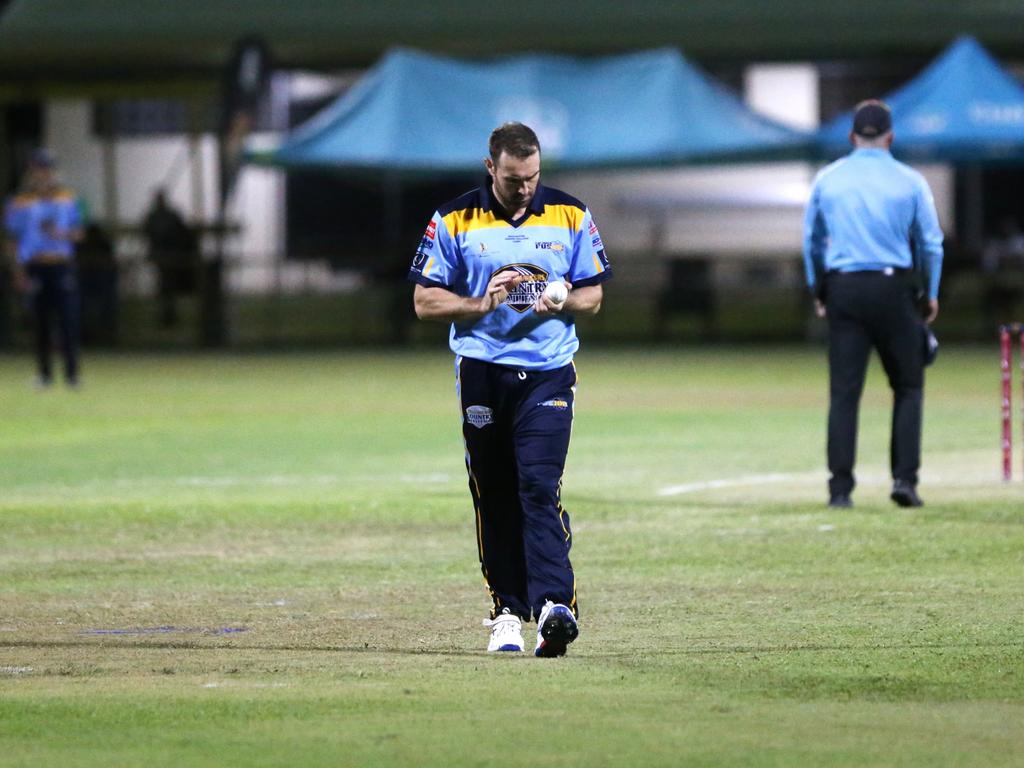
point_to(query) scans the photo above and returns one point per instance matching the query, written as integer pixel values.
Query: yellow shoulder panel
(469, 219)
(568, 216)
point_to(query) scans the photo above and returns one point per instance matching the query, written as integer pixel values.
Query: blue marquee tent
(964, 107)
(417, 112)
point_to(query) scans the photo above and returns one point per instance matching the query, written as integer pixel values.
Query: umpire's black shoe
(905, 495)
(840, 501)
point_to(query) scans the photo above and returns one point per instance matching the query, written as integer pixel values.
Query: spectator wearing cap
(43, 224)
(873, 256)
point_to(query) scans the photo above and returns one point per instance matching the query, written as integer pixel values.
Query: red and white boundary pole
(1006, 353)
(1006, 333)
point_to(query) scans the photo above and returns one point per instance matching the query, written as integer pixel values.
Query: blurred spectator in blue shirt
(43, 223)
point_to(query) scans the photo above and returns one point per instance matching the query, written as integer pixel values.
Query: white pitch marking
(15, 670)
(733, 482)
(935, 478)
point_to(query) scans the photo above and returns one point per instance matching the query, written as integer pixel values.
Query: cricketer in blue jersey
(42, 224)
(483, 265)
(871, 242)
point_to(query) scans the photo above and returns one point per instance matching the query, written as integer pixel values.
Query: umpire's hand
(930, 311)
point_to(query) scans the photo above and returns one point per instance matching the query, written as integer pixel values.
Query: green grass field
(270, 561)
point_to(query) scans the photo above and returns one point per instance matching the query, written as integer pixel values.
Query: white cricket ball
(556, 291)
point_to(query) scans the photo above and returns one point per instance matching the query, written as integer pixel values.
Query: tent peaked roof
(418, 112)
(963, 107)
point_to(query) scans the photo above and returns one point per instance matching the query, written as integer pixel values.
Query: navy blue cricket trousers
(54, 291)
(516, 425)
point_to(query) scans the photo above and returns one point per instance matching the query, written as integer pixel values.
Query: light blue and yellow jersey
(26, 219)
(469, 240)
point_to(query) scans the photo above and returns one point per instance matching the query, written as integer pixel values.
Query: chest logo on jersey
(524, 295)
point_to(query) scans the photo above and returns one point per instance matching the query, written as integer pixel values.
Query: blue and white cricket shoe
(506, 632)
(556, 628)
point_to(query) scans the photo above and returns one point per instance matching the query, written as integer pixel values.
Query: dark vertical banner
(245, 81)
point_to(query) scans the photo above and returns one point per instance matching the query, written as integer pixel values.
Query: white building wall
(142, 165)
(68, 134)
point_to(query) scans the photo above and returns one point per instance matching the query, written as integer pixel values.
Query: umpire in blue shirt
(873, 255)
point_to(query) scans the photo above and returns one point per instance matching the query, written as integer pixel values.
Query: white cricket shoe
(506, 632)
(556, 628)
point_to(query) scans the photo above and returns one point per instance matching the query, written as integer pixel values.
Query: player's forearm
(585, 300)
(444, 306)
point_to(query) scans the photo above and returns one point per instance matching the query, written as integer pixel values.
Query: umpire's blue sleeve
(815, 241)
(926, 237)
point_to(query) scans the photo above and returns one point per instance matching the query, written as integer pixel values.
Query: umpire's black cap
(872, 118)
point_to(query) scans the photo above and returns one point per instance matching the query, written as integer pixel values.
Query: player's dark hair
(515, 139)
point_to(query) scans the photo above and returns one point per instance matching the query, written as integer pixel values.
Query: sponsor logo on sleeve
(431, 230)
(595, 237)
(479, 416)
(557, 403)
(426, 244)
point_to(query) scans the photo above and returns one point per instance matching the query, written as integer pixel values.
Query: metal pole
(110, 200)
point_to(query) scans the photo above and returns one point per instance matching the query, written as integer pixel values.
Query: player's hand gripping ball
(556, 292)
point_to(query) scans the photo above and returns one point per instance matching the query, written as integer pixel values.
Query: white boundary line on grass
(935, 478)
(732, 482)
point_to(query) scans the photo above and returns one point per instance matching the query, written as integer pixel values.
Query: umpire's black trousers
(54, 291)
(516, 425)
(865, 310)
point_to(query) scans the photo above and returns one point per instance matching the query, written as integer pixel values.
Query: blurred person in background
(43, 224)
(173, 251)
(98, 285)
(483, 265)
(872, 251)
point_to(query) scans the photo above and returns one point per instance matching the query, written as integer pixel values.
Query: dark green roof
(125, 39)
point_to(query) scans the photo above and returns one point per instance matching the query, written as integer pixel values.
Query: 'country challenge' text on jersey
(469, 240)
